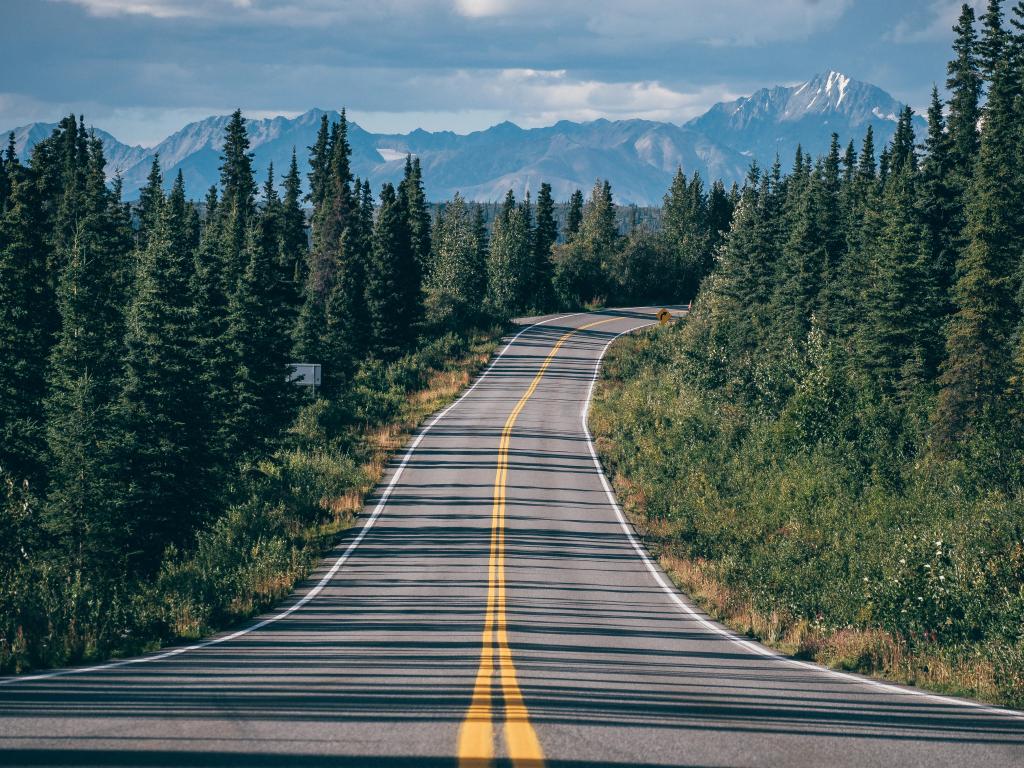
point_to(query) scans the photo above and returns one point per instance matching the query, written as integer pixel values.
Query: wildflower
(903, 561)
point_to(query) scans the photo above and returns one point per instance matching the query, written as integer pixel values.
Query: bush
(830, 509)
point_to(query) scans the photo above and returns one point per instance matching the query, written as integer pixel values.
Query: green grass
(283, 513)
(826, 529)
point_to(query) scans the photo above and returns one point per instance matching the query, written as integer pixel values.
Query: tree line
(905, 272)
(830, 444)
(146, 346)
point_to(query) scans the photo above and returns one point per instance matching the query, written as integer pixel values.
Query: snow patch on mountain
(639, 157)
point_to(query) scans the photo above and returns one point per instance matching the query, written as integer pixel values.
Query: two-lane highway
(494, 608)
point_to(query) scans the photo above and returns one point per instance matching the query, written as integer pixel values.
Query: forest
(161, 477)
(828, 453)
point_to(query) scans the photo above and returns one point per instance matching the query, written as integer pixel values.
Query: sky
(141, 69)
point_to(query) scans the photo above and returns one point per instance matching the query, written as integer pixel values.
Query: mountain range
(639, 157)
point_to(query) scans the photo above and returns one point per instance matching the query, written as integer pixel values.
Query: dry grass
(868, 651)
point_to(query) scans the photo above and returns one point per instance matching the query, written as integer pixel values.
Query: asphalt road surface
(492, 609)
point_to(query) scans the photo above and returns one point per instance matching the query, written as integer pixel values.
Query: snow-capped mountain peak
(639, 157)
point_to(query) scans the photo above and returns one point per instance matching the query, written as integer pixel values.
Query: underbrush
(828, 528)
(281, 514)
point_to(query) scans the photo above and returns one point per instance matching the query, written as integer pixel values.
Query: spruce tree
(831, 224)
(257, 346)
(339, 348)
(574, 217)
(993, 41)
(964, 84)
(940, 207)
(319, 164)
(686, 235)
(416, 243)
(977, 367)
(159, 400)
(151, 198)
(294, 242)
(545, 236)
(480, 233)
(414, 203)
(897, 337)
(458, 278)
(26, 324)
(801, 266)
(83, 508)
(389, 313)
(509, 263)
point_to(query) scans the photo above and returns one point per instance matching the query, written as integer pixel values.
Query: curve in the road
(495, 533)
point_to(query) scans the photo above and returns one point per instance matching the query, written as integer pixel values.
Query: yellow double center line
(476, 736)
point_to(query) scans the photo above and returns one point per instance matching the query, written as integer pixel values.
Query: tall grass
(281, 514)
(828, 529)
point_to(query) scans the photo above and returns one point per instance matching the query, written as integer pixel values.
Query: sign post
(305, 375)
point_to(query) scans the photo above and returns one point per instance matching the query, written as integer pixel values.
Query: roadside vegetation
(828, 452)
(160, 478)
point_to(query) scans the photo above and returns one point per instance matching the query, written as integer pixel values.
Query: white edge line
(748, 645)
(326, 578)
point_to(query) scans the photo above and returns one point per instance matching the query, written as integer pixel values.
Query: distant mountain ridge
(639, 157)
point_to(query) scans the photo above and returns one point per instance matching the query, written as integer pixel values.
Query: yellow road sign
(664, 316)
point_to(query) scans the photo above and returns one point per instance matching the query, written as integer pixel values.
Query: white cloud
(935, 26)
(542, 97)
(723, 22)
(478, 9)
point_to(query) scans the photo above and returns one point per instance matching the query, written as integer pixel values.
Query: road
(493, 608)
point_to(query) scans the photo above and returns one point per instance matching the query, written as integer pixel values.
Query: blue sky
(143, 68)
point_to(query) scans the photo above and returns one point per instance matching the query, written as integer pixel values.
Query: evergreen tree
(719, 215)
(339, 348)
(940, 207)
(151, 199)
(832, 226)
(802, 264)
(83, 508)
(992, 44)
(686, 234)
(389, 306)
(414, 203)
(7, 168)
(545, 237)
(575, 215)
(208, 290)
(902, 154)
(319, 164)
(483, 237)
(582, 264)
(458, 278)
(898, 338)
(26, 325)
(294, 242)
(257, 346)
(237, 200)
(978, 365)
(510, 262)
(964, 84)
(159, 400)
(415, 222)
